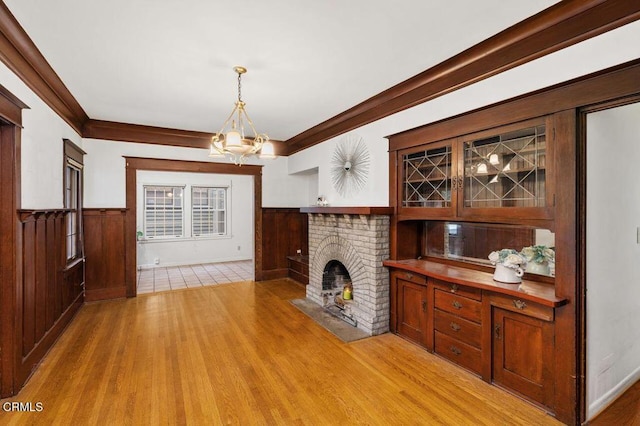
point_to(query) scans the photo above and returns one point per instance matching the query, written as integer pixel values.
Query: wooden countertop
(533, 291)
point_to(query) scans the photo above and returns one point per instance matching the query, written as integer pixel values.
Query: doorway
(134, 164)
(612, 264)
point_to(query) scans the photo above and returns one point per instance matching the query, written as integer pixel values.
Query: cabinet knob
(454, 288)
(455, 350)
(496, 331)
(456, 304)
(519, 304)
(424, 306)
(408, 275)
(455, 326)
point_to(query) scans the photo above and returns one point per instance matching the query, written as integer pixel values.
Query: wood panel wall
(284, 230)
(104, 242)
(49, 292)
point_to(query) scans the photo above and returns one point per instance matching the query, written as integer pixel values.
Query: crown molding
(21, 55)
(563, 24)
(566, 23)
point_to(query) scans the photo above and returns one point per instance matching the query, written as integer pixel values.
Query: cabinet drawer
(410, 276)
(514, 304)
(459, 328)
(458, 305)
(462, 354)
(471, 293)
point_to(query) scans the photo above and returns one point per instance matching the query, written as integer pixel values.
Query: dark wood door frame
(10, 243)
(133, 164)
(582, 238)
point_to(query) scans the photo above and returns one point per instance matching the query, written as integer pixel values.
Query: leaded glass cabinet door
(427, 180)
(507, 172)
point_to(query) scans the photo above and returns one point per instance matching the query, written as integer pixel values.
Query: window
(73, 163)
(163, 211)
(208, 211)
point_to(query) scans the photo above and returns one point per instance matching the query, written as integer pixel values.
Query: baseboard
(30, 362)
(275, 274)
(105, 293)
(605, 400)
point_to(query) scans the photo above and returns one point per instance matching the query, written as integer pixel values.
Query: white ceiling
(169, 63)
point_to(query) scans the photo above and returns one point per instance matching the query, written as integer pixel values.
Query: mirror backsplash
(472, 242)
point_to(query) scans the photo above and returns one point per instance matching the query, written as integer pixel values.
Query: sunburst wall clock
(350, 165)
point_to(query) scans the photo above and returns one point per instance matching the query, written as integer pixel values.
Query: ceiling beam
(114, 131)
(566, 23)
(563, 24)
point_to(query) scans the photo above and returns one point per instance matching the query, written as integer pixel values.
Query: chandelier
(232, 142)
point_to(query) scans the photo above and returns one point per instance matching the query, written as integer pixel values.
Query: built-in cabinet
(458, 197)
(504, 172)
(502, 332)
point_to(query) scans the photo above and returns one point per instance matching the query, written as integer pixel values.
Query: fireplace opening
(335, 276)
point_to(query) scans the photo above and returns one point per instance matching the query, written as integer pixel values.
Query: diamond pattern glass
(507, 170)
(427, 178)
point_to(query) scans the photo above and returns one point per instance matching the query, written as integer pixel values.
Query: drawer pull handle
(424, 306)
(455, 350)
(409, 276)
(519, 304)
(454, 288)
(455, 326)
(457, 304)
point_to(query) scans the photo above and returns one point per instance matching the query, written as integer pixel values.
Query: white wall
(606, 50)
(237, 245)
(613, 254)
(42, 146)
(105, 172)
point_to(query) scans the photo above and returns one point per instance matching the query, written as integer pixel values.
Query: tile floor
(178, 277)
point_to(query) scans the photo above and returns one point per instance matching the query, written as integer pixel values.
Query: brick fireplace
(348, 245)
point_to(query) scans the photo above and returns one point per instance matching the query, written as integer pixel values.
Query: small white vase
(507, 275)
(539, 268)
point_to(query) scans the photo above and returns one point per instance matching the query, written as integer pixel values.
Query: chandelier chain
(239, 87)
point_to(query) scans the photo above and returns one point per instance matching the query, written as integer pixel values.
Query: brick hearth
(360, 243)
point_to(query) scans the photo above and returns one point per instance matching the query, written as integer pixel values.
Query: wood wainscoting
(104, 242)
(284, 231)
(49, 292)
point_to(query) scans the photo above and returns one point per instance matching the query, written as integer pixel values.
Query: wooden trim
(22, 57)
(533, 291)
(612, 83)
(73, 151)
(114, 131)
(11, 107)
(191, 166)
(274, 274)
(363, 211)
(566, 355)
(133, 164)
(31, 360)
(563, 24)
(581, 280)
(10, 256)
(99, 129)
(105, 293)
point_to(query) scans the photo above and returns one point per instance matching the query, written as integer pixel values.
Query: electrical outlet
(238, 248)
(156, 261)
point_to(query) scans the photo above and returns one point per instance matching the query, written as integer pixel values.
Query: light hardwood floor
(243, 354)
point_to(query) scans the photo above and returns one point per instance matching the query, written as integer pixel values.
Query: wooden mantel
(363, 211)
